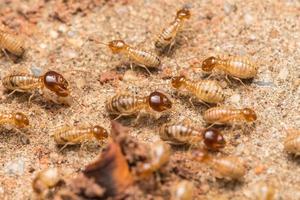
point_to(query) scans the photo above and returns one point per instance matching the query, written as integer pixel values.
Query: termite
(12, 43)
(45, 180)
(168, 35)
(237, 67)
(18, 120)
(51, 80)
(126, 104)
(141, 57)
(68, 135)
(184, 133)
(227, 167)
(159, 155)
(228, 115)
(182, 191)
(292, 141)
(208, 91)
(264, 191)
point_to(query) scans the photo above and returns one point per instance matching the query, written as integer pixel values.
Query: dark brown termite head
(178, 81)
(56, 83)
(21, 120)
(213, 139)
(99, 132)
(183, 13)
(116, 46)
(249, 114)
(159, 101)
(209, 63)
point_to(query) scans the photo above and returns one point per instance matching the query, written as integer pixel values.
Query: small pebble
(53, 34)
(15, 167)
(235, 99)
(248, 18)
(36, 71)
(229, 7)
(283, 74)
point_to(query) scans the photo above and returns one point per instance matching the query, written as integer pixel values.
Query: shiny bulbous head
(183, 13)
(21, 120)
(99, 132)
(159, 101)
(56, 83)
(178, 81)
(213, 139)
(116, 46)
(209, 63)
(249, 114)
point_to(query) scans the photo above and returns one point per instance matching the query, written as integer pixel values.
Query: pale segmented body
(142, 57)
(76, 135)
(292, 142)
(228, 115)
(229, 167)
(12, 43)
(180, 133)
(168, 35)
(237, 67)
(126, 104)
(205, 90)
(22, 82)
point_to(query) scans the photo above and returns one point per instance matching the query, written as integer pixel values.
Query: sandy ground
(266, 31)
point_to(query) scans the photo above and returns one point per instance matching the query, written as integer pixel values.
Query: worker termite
(228, 115)
(239, 68)
(159, 155)
(51, 80)
(12, 43)
(264, 191)
(142, 58)
(205, 90)
(292, 141)
(227, 167)
(184, 133)
(68, 135)
(182, 191)
(17, 119)
(126, 104)
(168, 35)
(45, 180)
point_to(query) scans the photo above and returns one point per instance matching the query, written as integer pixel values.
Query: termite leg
(12, 93)
(227, 79)
(191, 102)
(6, 55)
(143, 66)
(30, 98)
(239, 81)
(211, 125)
(60, 150)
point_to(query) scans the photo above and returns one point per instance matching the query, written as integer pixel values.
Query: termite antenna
(97, 41)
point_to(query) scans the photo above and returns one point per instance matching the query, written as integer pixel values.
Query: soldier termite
(228, 115)
(208, 91)
(51, 80)
(184, 133)
(17, 119)
(182, 190)
(44, 181)
(142, 58)
(68, 135)
(227, 167)
(159, 155)
(292, 142)
(238, 68)
(12, 43)
(168, 35)
(126, 104)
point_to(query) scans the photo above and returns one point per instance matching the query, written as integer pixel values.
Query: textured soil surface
(56, 35)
